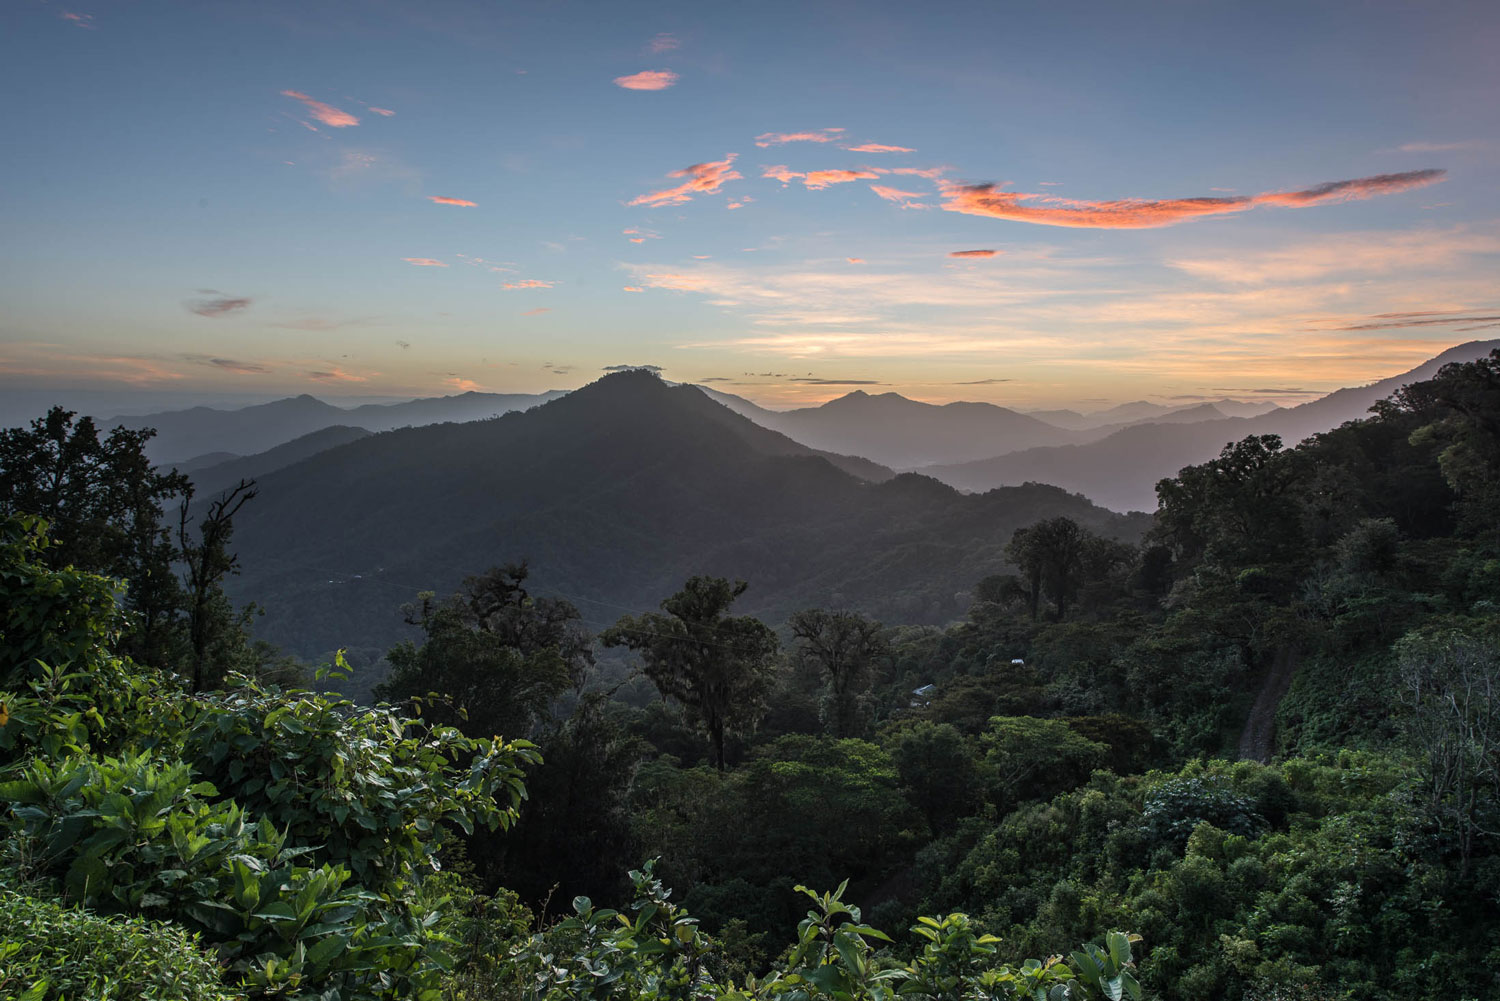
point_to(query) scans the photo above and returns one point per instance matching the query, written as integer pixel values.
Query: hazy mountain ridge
(187, 434)
(1120, 471)
(616, 493)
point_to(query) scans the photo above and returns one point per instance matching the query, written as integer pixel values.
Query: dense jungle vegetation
(1255, 757)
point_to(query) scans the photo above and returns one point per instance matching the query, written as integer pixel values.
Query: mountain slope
(617, 493)
(1120, 472)
(184, 434)
(209, 480)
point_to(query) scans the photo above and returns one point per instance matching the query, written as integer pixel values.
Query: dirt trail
(1257, 740)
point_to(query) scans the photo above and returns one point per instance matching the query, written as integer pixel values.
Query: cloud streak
(1139, 213)
(879, 148)
(647, 80)
(424, 262)
(325, 113)
(906, 199)
(440, 200)
(528, 283)
(972, 253)
(219, 305)
(702, 179)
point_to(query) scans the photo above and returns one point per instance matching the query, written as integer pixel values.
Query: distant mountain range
(201, 435)
(1121, 471)
(617, 493)
(1141, 411)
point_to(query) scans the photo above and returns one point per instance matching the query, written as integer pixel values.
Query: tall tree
(206, 563)
(846, 647)
(718, 666)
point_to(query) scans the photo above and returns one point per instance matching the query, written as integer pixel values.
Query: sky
(1035, 205)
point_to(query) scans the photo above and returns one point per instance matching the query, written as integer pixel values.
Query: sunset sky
(1032, 204)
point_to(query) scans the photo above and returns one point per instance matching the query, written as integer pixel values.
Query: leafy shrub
(52, 952)
(1178, 805)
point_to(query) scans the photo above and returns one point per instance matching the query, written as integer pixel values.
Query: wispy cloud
(538, 311)
(382, 112)
(425, 262)
(972, 253)
(80, 20)
(461, 384)
(931, 173)
(528, 283)
(855, 260)
(647, 80)
(632, 288)
(635, 235)
(217, 304)
(807, 380)
(906, 199)
(781, 138)
(440, 200)
(879, 148)
(1392, 321)
(983, 382)
(817, 180)
(325, 113)
(227, 364)
(1429, 147)
(633, 368)
(702, 179)
(663, 42)
(1137, 213)
(334, 374)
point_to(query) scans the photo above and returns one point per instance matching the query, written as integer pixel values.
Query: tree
(1056, 557)
(845, 646)
(498, 655)
(103, 501)
(1237, 507)
(719, 667)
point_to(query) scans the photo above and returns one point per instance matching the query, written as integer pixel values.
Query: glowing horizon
(1086, 208)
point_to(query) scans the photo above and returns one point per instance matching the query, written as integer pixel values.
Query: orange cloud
(855, 260)
(879, 148)
(528, 283)
(462, 385)
(647, 80)
(325, 113)
(702, 179)
(906, 199)
(664, 42)
(424, 262)
(740, 203)
(440, 200)
(639, 235)
(778, 138)
(632, 288)
(972, 253)
(1138, 213)
(538, 311)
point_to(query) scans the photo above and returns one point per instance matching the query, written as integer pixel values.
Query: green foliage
(53, 952)
(1026, 757)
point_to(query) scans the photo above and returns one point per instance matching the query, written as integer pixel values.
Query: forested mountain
(209, 479)
(1140, 412)
(616, 493)
(187, 434)
(1120, 472)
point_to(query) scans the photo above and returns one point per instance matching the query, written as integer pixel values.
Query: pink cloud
(817, 180)
(440, 200)
(972, 253)
(740, 203)
(632, 288)
(461, 384)
(1138, 213)
(640, 235)
(879, 148)
(538, 311)
(931, 173)
(382, 112)
(528, 283)
(664, 42)
(855, 260)
(424, 262)
(906, 199)
(325, 113)
(81, 20)
(778, 138)
(647, 80)
(702, 179)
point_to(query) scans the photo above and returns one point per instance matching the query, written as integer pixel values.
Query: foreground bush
(51, 952)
